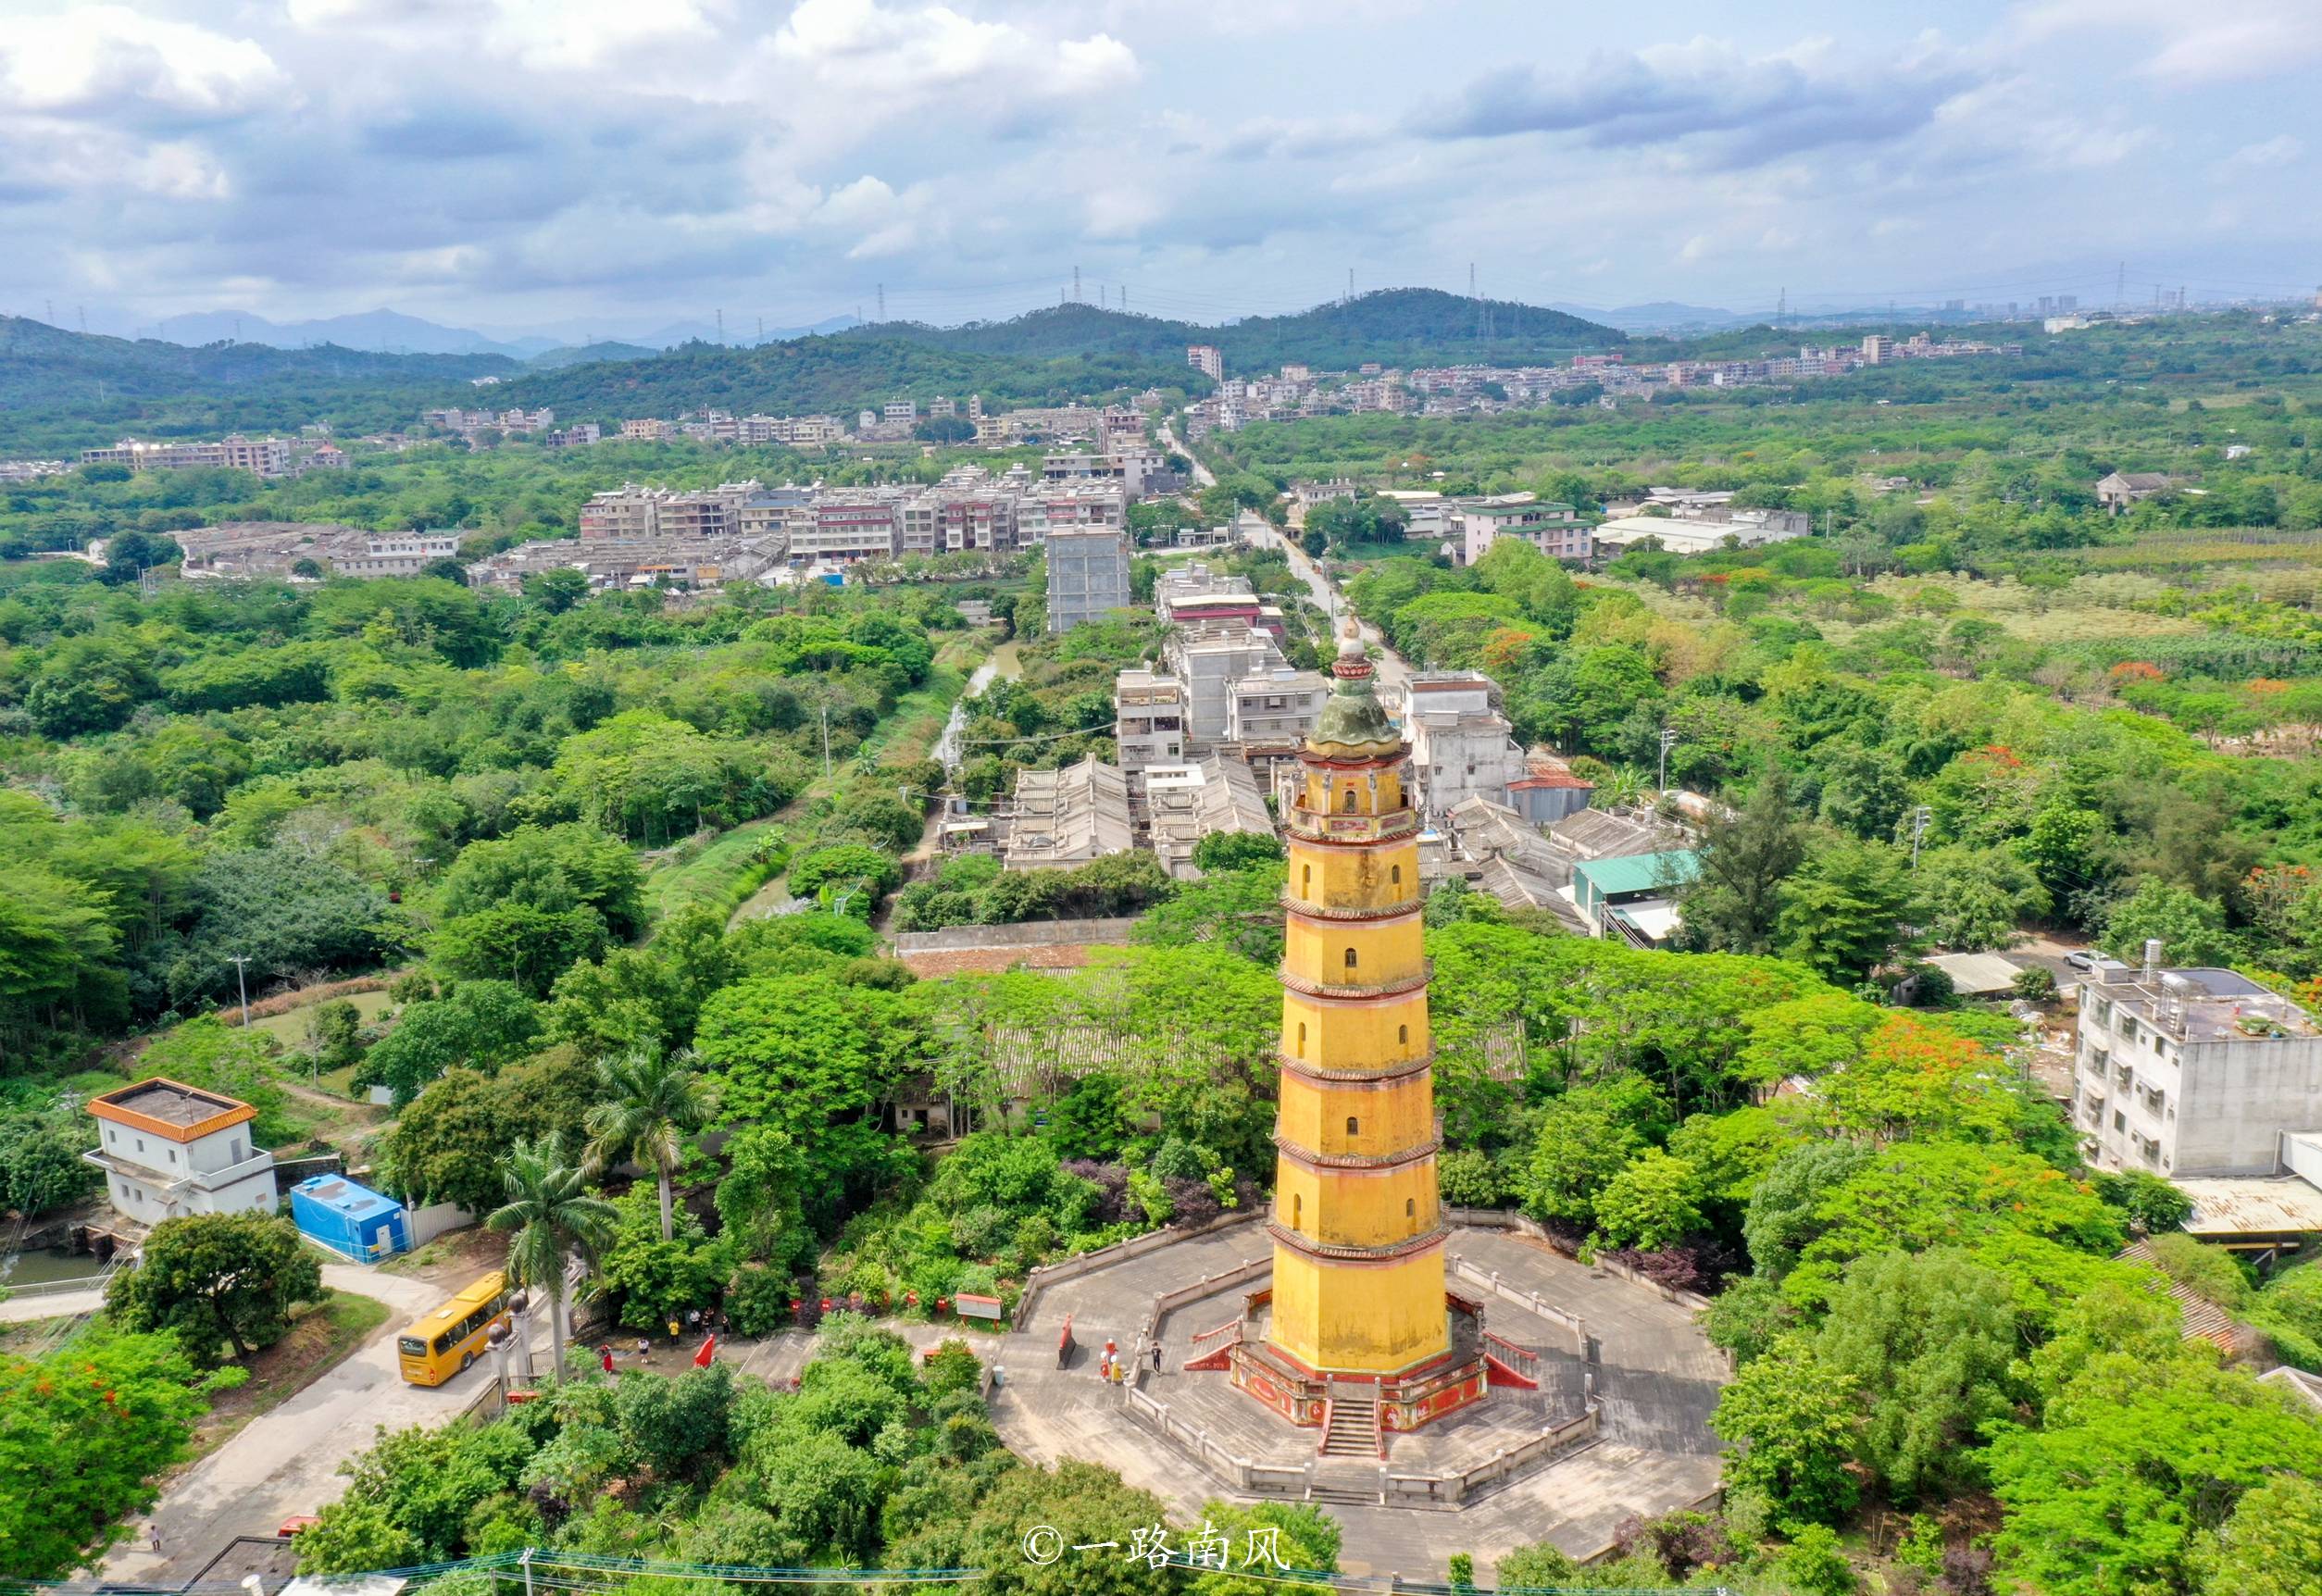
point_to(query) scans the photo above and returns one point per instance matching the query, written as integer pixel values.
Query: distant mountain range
(1659, 315)
(1054, 356)
(393, 332)
(62, 390)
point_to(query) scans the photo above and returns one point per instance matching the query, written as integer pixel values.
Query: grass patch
(290, 1026)
(712, 875)
(319, 1339)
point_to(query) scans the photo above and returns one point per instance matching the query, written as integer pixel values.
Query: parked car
(2079, 959)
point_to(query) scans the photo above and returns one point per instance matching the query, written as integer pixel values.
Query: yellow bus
(448, 1339)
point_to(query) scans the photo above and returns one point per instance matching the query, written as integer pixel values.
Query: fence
(1039, 1279)
(1501, 1219)
(1530, 1302)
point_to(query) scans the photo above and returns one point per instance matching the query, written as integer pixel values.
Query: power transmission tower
(2120, 286)
(1076, 285)
(84, 320)
(882, 302)
(1471, 294)
(51, 317)
(1124, 299)
(1350, 285)
(722, 326)
(1782, 307)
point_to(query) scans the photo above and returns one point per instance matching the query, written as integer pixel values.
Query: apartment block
(1205, 359)
(2190, 1072)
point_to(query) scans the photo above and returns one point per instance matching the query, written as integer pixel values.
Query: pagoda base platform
(1404, 1400)
(1616, 1427)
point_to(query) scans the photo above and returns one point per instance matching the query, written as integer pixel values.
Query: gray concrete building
(1209, 659)
(1462, 746)
(1088, 575)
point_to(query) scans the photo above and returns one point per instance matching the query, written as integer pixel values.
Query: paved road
(287, 1460)
(1203, 476)
(1394, 671)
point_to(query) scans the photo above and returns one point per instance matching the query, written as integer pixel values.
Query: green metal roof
(1636, 872)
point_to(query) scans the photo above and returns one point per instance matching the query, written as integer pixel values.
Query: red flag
(709, 1350)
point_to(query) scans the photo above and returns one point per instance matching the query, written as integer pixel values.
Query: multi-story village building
(1148, 719)
(1210, 657)
(632, 514)
(857, 524)
(260, 456)
(2190, 1072)
(169, 1150)
(1270, 712)
(397, 554)
(1556, 530)
(1042, 512)
(1462, 746)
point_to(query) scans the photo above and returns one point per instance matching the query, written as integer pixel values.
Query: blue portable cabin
(353, 1221)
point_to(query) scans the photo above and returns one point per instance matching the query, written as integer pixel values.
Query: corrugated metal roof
(1637, 872)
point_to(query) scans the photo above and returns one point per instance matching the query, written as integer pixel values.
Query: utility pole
(242, 981)
(1668, 741)
(826, 743)
(1920, 817)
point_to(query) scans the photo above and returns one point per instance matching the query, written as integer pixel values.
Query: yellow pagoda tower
(1357, 1297)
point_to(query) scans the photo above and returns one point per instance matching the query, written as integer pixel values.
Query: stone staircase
(1352, 1429)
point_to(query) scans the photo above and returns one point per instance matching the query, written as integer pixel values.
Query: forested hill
(835, 376)
(62, 391)
(1394, 326)
(1053, 356)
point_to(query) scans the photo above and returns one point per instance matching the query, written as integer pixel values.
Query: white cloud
(112, 59)
(2232, 42)
(860, 45)
(2277, 151)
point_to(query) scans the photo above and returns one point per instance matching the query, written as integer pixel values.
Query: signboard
(973, 1307)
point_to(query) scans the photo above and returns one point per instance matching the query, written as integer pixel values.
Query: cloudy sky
(621, 163)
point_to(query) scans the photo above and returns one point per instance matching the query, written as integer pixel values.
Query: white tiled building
(169, 1150)
(2195, 1072)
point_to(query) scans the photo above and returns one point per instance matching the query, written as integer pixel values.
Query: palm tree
(649, 1105)
(554, 1216)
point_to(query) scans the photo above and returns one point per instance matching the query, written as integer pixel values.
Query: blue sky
(619, 164)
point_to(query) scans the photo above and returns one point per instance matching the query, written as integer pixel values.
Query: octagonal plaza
(1618, 1424)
